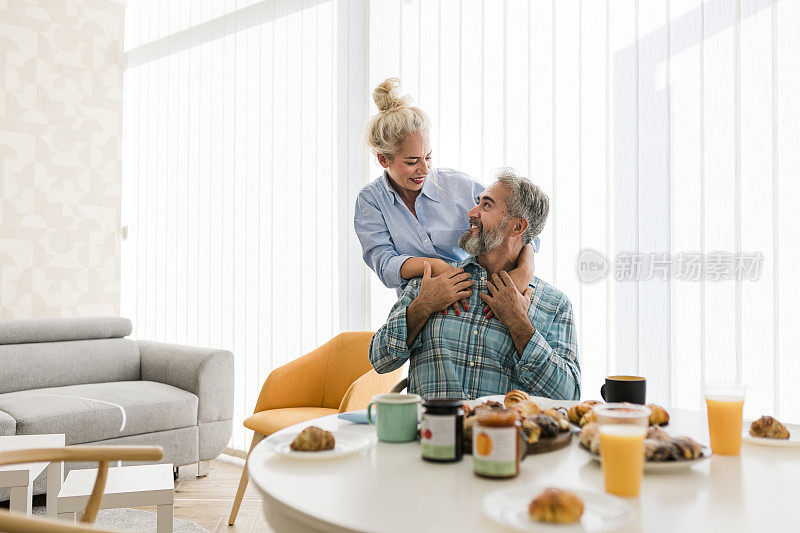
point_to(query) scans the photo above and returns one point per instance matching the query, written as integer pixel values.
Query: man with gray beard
(530, 345)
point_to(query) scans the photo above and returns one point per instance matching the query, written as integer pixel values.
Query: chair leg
(257, 437)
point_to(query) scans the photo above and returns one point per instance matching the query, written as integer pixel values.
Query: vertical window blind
(661, 127)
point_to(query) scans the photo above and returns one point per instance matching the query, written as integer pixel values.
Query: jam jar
(441, 430)
(495, 444)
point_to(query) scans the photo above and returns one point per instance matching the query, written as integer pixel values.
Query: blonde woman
(414, 214)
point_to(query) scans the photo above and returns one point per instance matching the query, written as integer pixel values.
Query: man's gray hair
(525, 200)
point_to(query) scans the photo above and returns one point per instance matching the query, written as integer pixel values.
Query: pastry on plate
(658, 415)
(687, 448)
(590, 437)
(556, 506)
(768, 428)
(526, 408)
(549, 426)
(559, 417)
(515, 396)
(671, 449)
(660, 450)
(313, 439)
(531, 431)
(576, 412)
(656, 433)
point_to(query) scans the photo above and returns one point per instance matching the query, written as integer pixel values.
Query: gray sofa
(83, 378)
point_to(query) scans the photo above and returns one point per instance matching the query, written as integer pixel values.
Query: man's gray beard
(482, 242)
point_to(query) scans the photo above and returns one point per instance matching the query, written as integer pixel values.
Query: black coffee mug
(624, 389)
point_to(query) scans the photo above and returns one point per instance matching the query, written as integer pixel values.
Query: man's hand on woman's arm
(435, 294)
(414, 267)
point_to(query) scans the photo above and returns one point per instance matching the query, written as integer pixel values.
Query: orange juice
(622, 451)
(725, 424)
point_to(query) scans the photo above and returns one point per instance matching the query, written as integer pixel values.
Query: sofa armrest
(205, 372)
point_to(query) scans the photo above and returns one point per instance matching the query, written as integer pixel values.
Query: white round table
(389, 488)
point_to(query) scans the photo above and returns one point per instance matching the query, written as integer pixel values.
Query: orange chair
(334, 378)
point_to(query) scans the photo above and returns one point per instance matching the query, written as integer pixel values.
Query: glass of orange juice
(724, 402)
(623, 427)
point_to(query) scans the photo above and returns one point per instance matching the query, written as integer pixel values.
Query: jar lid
(442, 402)
(498, 416)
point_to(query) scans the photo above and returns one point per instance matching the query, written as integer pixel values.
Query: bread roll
(556, 506)
(313, 439)
(590, 437)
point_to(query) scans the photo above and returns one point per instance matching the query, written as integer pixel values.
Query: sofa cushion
(27, 330)
(57, 364)
(98, 411)
(271, 420)
(8, 426)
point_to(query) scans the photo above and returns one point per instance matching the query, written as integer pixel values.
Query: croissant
(768, 428)
(515, 396)
(556, 506)
(313, 439)
(577, 411)
(590, 416)
(658, 415)
(559, 417)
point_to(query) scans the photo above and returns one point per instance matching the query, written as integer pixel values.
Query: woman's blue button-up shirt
(390, 234)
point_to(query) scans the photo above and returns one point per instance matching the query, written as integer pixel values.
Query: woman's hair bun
(387, 96)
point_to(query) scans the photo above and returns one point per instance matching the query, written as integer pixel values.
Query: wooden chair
(335, 378)
(13, 522)
(400, 386)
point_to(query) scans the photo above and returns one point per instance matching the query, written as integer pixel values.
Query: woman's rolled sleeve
(377, 247)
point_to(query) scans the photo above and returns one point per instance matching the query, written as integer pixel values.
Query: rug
(133, 520)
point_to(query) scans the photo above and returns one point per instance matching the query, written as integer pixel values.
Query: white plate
(544, 403)
(792, 442)
(662, 467)
(346, 444)
(601, 512)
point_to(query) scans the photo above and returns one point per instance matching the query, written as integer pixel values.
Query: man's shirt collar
(471, 260)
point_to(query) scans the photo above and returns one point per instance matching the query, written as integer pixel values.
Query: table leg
(164, 518)
(55, 476)
(21, 499)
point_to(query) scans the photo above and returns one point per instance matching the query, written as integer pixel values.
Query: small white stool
(126, 486)
(20, 477)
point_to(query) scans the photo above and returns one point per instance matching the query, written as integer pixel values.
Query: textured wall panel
(60, 126)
